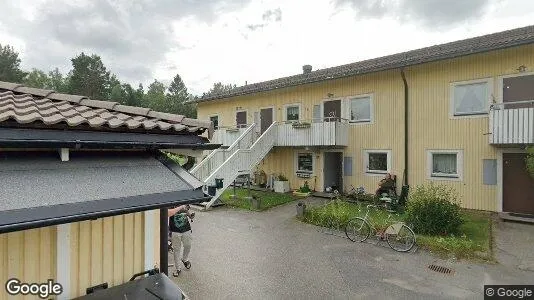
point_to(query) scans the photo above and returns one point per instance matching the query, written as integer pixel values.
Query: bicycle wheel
(357, 230)
(400, 237)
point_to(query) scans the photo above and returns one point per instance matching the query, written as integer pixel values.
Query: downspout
(405, 126)
(163, 240)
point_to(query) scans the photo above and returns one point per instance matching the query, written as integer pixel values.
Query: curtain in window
(444, 163)
(378, 162)
(293, 113)
(470, 98)
(360, 109)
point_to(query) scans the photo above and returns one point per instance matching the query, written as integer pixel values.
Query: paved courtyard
(239, 254)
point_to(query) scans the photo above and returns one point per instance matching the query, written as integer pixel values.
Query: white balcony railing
(317, 132)
(512, 123)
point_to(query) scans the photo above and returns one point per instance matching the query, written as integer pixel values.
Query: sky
(238, 41)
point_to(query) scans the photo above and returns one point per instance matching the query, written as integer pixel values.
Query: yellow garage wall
(29, 256)
(106, 250)
(429, 123)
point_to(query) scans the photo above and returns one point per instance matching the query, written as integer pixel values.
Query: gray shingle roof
(489, 42)
(27, 105)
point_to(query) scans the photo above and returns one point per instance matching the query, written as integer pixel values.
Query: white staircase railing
(218, 156)
(242, 160)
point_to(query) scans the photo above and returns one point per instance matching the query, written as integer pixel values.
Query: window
(292, 113)
(360, 109)
(215, 120)
(445, 164)
(304, 162)
(377, 161)
(470, 98)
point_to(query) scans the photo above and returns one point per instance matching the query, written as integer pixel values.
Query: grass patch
(473, 242)
(267, 199)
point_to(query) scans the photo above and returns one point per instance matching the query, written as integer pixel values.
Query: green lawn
(472, 243)
(268, 199)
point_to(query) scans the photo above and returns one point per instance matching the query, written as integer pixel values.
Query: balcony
(512, 123)
(318, 132)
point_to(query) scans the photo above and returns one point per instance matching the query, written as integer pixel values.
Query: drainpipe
(405, 126)
(163, 239)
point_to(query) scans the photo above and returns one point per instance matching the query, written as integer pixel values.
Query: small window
(305, 162)
(471, 98)
(360, 109)
(215, 120)
(377, 161)
(292, 113)
(445, 164)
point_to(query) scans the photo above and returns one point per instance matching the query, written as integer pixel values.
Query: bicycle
(396, 234)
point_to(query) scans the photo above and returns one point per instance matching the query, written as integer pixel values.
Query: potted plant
(303, 191)
(301, 125)
(281, 184)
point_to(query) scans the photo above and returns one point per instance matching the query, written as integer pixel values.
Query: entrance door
(332, 110)
(518, 186)
(266, 117)
(241, 119)
(333, 171)
(519, 88)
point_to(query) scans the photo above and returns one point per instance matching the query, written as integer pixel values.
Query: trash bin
(300, 209)
(212, 189)
(219, 183)
(255, 202)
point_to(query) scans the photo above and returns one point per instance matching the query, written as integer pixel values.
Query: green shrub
(305, 188)
(434, 210)
(530, 161)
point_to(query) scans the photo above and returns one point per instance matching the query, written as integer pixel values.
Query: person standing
(181, 234)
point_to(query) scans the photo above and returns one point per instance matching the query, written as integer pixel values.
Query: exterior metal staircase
(240, 158)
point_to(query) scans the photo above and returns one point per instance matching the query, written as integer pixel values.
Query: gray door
(332, 110)
(266, 117)
(241, 119)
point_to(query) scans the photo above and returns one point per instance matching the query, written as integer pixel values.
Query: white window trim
(297, 162)
(366, 162)
(459, 164)
(218, 118)
(453, 85)
(371, 108)
(299, 105)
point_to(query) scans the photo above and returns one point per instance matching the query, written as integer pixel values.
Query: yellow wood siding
(106, 250)
(29, 256)
(429, 124)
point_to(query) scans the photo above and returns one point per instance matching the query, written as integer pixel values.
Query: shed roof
(30, 107)
(484, 43)
(41, 190)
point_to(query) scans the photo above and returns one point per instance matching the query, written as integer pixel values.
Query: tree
(89, 77)
(57, 82)
(155, 96)
(10, 65)
(118, 94)
(219, 88)
(177, 97)
(37, 79)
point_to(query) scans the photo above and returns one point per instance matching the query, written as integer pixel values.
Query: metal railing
(513, 125)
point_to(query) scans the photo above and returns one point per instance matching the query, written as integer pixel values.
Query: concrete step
(523, 218)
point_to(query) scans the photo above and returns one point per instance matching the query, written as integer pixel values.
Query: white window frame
(459, 164)
(218, 119)
(500, 84)
(297, 162)
(366, 162)
(286, 106)
(348, 108)
(490, 94)
(246, 113)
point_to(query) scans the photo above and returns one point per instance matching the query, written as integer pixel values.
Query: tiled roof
(29, 106)
(489, 42)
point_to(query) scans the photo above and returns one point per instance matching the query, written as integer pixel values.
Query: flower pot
(281, 186)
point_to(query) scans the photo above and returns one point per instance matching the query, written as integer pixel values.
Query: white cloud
(240, 44)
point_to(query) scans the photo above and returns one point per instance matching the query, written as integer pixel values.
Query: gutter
(405, 126)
